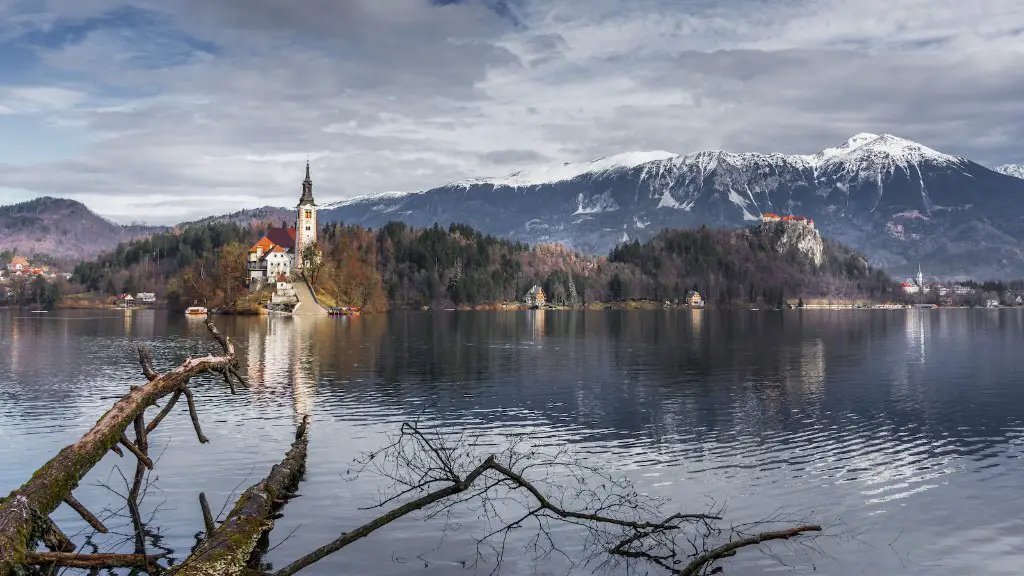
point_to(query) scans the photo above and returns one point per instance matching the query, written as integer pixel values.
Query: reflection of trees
(663, 371)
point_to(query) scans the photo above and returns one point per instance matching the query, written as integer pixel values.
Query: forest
(398, 266)
(401, 266)
(745, 266)
(150, 265)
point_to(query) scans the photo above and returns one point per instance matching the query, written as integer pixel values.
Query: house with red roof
(272, 256)
(280, 250)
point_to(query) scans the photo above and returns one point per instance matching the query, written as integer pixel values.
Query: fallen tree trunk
(70, 560)
(228, 549)
(53, 482)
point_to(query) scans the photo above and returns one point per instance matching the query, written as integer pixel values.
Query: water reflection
(905, 422)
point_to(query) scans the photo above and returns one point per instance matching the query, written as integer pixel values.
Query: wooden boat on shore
(196, 311)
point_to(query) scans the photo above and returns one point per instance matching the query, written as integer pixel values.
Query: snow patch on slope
(379, 197)
(569, 171)
(596, 205)
(1015, 170)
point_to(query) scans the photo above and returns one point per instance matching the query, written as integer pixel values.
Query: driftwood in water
(71, 560)
(227, 550)
(23, 513)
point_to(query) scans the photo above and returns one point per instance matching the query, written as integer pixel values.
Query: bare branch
(137, 451)
(207, 516)
(85, 514)
(726, 550)
(146, 360)
(192, 414)
(164, 412)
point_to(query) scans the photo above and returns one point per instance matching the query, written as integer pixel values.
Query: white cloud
(226, 99)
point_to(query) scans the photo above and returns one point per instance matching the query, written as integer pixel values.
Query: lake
(901, 431)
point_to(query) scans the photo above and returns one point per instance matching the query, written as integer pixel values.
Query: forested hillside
(398, 266)
(770, 264)
(149, 264)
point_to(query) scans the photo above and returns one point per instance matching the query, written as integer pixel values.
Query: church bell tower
(305, 220)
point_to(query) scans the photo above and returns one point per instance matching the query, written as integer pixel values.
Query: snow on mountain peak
(1015, 170)
(866, 146)
(567, 171)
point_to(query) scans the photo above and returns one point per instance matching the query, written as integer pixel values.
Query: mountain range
(900, 203)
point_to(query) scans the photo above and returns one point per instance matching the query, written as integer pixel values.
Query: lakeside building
(693, 298)
(535, 297)
(279, 252)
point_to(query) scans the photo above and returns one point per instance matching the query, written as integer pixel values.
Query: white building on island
(280, 249)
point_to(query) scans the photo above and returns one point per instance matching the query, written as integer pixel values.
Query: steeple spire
(307, 189)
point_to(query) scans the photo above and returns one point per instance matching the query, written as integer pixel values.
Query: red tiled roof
(264, 244)
(19, 260)
(284, 237)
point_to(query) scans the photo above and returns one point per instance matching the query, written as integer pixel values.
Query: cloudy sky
(161, 110)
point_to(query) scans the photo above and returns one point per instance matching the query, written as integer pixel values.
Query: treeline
(401, 266)
(32, 291)
(405, 267)
(149, 265)
(398, 266)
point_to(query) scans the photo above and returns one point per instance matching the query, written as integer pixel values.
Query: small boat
(40, 311)
(196, 311)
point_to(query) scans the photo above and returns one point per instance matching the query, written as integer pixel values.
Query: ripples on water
(900, 429)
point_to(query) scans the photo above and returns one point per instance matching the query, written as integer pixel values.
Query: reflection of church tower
(305, 220)
(304, 369)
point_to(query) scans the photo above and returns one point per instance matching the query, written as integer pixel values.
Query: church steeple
(307, 189)
(305, 221)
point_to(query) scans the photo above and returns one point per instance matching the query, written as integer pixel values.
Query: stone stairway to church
(308, 303)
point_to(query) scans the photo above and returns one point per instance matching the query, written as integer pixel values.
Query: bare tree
(24, 513)
(438, 474)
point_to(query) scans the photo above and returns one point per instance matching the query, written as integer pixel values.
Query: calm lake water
(902, 431)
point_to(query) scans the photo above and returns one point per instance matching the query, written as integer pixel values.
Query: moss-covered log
(69, 560)
(229, 549)
(53, 482)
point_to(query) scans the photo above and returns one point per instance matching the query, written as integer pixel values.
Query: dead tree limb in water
(71, 560)
(54, 481)
(436, 473)
(227, 550)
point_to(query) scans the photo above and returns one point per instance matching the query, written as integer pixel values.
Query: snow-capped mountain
(1015, 170)
(899, 202)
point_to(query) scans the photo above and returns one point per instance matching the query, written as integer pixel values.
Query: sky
(160, 111)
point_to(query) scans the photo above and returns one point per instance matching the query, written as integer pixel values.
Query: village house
(146, 297)
(535, 297)
(125, 301)
(19, 265)
(693, 298)
(279, 252)
(284, 291)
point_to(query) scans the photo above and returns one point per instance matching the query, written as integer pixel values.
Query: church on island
(280, 252)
